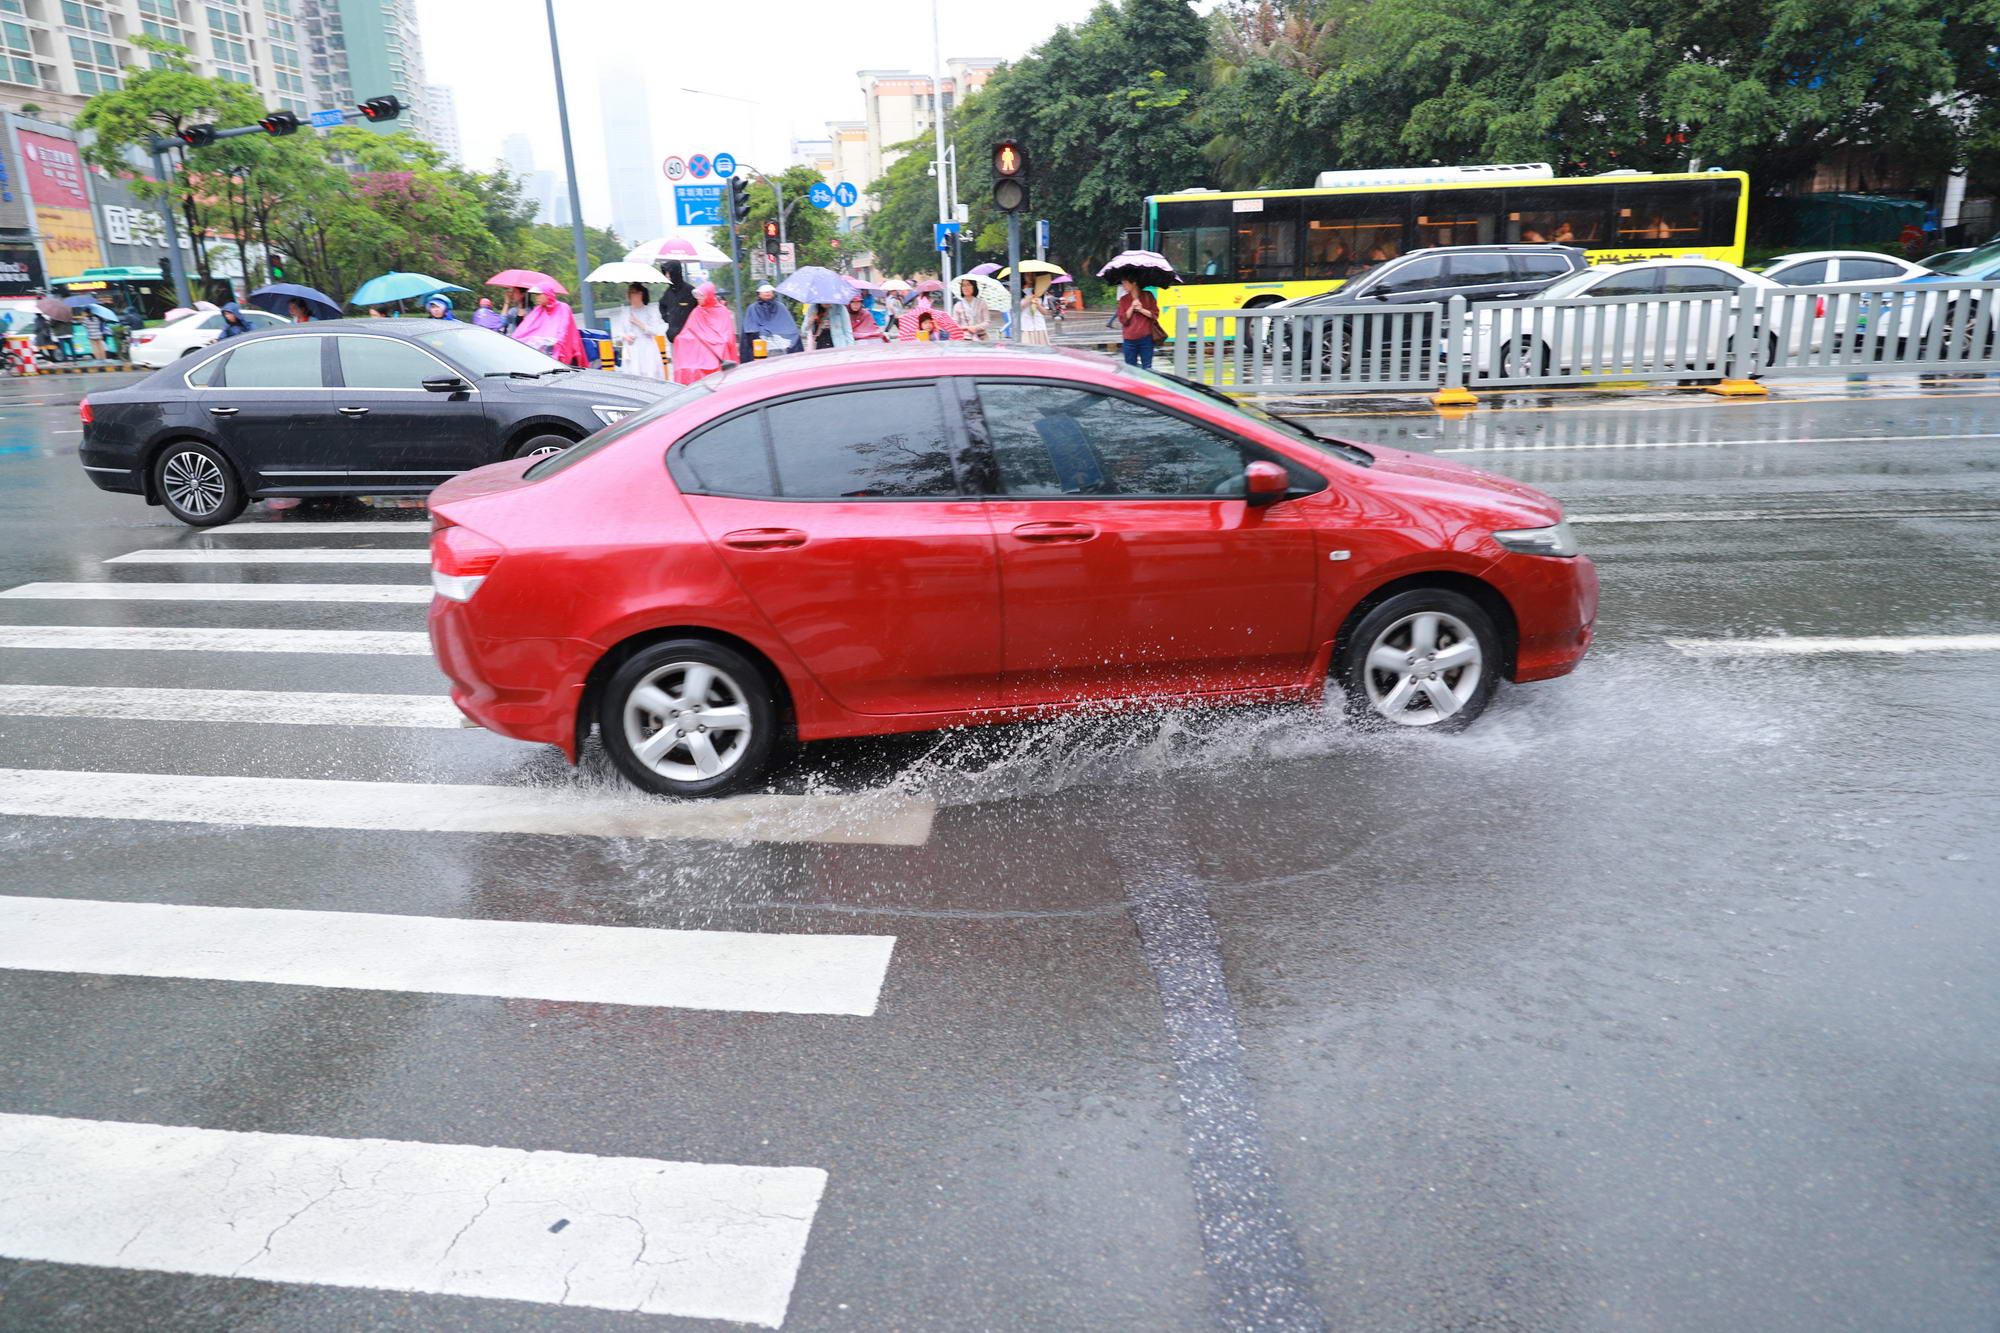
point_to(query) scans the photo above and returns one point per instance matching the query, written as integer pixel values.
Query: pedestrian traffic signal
(739, 199)
(197, 136)
(379, 109)
(280, 123)
(1010, 177)
(771, 238)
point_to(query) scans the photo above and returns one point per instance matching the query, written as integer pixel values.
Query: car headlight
(610, 415)
(1554, 540)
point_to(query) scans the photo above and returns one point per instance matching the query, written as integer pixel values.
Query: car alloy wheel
(1429, 657)
(541, 446)
(688, 718)
(197, 486)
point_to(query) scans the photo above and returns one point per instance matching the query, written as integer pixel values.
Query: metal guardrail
(1732, 337)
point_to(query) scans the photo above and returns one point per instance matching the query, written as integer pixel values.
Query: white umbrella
(626, 271)
(895, 285)
(663, 248)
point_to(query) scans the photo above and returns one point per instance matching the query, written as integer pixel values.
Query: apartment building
(899, 106)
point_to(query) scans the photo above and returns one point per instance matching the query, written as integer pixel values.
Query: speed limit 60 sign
(674, 168)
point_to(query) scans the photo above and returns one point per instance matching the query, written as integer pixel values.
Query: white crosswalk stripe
(294, 707)
(686, 969)
(266, 528)
(128, 638)
(294, 555)
(693, 1239)
(222, 592)
(454, 808)
(1807, 646)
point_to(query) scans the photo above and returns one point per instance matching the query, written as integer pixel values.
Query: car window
(384, 363)
(258, 319)
(1683, 278)
(729, 458)
(276, 363)
(1478, 270)
(1800, 275)
(1538, 266)
(1971, 263)
(880, 443)
(1869, 270)
(211, 320)
(1416, 275)
(1639, 282)
(202, 374)
(1049, 440)
(483, 351)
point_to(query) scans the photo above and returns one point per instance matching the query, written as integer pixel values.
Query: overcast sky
(796, 74)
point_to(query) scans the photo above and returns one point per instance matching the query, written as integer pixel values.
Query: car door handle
(764, 539)
(1055, 532)
(353, 411)
(223, 411)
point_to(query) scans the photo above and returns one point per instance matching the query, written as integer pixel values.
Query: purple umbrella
(982, 271)
(813, 285)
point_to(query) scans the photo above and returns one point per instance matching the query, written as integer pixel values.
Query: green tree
(1264, 123)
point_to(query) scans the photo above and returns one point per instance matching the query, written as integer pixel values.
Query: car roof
(1804, 255)
(909, 358)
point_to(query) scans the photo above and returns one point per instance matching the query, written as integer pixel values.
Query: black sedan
(348, 407)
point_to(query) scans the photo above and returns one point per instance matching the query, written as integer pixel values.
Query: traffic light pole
(1014, 269)
(736, 283)
(176, 266)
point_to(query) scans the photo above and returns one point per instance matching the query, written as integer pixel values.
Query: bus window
(1194, 236)
(1347, 233)
(1669, 213)
(1267, 241)
(1455, 217)
(1553, 215)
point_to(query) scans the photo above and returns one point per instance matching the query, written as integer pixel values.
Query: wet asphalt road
(1662, 999)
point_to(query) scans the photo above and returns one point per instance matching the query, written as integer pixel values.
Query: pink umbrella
(866, 286)
(929, 285)
(524, 277)
(907, 323)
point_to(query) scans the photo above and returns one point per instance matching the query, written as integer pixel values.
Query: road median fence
(1452, 349)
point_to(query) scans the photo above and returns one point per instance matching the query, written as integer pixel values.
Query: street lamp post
(569, 167)
(938, 160)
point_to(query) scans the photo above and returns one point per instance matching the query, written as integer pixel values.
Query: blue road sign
(1042, 234)
(697, 205)
(329, 117)
(698, 166)
(820, 195)
(943, 232)
(845, 194)
(725, 165)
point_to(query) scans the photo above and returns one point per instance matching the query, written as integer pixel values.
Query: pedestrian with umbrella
(768, 320)
(517, 303)
(638, 330)
(708, 339)
(978, 298)
(825, 295)
(280, 297)
(1031, 321)
(1138, 315)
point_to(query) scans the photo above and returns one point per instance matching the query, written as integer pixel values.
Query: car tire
(198, 485)
(663, 708)
(1525, 358)
(1381, 666)
(541, 446)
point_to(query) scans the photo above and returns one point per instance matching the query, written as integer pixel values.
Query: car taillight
(144, 337)
(83, 411)
(460, 560)
(1819, 308)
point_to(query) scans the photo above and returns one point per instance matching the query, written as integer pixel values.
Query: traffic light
(280, 123)
(739, 199)
(379, 109)
(1010, 177)
(197, 136)
(771, 238)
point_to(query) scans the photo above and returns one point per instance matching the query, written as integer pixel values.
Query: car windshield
(484, 352)
(1189, 389)
(1572, 284)
(1983, 262)
(677, 397)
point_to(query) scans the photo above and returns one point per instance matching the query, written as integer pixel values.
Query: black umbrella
(277, 299)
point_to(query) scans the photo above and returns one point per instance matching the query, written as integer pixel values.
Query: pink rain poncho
(707, 341)
(551, 327)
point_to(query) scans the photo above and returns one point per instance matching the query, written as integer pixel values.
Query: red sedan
(858, 542)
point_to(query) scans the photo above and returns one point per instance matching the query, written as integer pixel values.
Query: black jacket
(676, 304)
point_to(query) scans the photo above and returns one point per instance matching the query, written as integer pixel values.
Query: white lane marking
(1781, 516)
(1803, 645)
(222, 592)
(374, 643)
(692, 1239)
(454, 808)
(528, 960)
(295, 555)
(400, 527)
(1705, 444)
(294, 707)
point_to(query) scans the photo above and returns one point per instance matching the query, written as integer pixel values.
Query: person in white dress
(638, 329)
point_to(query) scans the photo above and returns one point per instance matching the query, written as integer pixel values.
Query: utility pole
(569, 167)
(937, 131)
(176, 265)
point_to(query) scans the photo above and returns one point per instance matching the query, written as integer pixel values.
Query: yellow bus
(1250, 248)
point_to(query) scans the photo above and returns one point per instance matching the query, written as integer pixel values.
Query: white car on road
(1815, 268)
(1634, 330)
(197, 328)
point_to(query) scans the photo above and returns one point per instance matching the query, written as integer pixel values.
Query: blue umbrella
(813, 285)
(277, 298)
(399, 287)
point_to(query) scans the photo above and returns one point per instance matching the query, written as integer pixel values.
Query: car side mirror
(1265, 484)
(446, 384)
